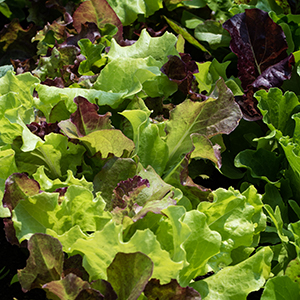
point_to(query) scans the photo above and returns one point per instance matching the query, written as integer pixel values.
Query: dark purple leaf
(154, 290)
(43, 128)
(263, 62)
(259, 44)
(86, 119)
(73, 265)
(129, 273)
(45, 263)
(181, 71)
(18, 187)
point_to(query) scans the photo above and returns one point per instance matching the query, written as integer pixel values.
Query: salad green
(150, 149)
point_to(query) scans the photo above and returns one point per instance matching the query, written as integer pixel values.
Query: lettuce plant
(149, 149)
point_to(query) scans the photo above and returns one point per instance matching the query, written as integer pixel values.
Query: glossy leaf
(239, 280)
(128, 10)
(42, 212)
(149, 145)
(159, 48)
(98, 255)
(235, 217)
(263, 60)
(213, 33)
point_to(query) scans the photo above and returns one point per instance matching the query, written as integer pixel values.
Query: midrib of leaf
(48, 161)
(187, 132)
(96, 12)
(255, 61)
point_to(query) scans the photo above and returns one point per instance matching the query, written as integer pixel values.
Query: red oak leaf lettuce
(263, 62)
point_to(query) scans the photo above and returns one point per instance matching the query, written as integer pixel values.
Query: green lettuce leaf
(131, 75)
(158, 48)
(49, 185)
(291, 147)
(41, 212)
(98, 252)
(56, 154)
(277, 109)
(236, 282)
(128, 10)
(237, 217)
(149, 145)
(213, 33)
(199, 248)
(262, 164)
(7, 167)
(280, 287)
(93, 56)
(49, 96)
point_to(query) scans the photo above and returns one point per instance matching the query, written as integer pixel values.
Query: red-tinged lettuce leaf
(105, 288)
(258, 42)
(18, 187)
(66, 288)
(125, 200)
(88, 30)
(154, 290)
(127, 190)
(129, 273)
(99, 12)
(219, 114)
(44, 264)
(260, 45)
(85, 119)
